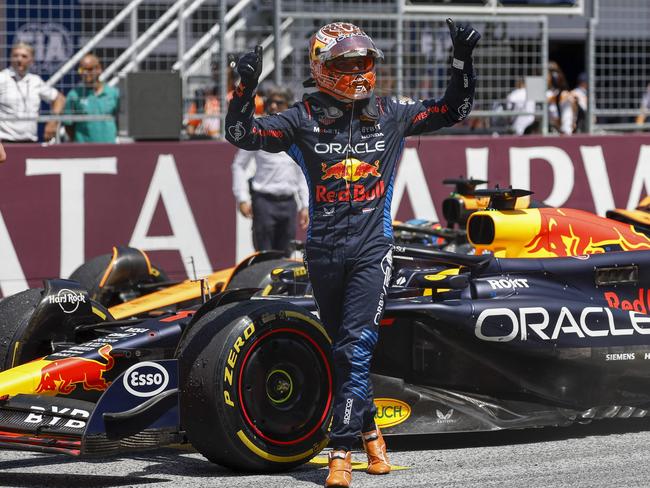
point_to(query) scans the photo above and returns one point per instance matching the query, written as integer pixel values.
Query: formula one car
(510, 343)
(456, 208)
(509, 226)
(129, 284)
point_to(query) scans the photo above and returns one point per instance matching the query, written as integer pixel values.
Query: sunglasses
(353, 65)
(277, 101)
(82, 70)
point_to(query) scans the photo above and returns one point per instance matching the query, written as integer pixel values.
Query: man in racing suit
(348, 143)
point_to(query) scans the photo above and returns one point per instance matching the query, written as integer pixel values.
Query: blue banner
(52, 27)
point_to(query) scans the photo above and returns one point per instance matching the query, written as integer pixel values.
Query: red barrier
(175, 198)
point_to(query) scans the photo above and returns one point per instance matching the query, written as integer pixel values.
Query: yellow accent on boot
(375, 447)
(340, 470)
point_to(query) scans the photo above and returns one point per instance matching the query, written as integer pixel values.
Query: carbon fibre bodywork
(529, 342)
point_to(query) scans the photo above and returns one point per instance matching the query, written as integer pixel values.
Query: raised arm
(272, 133)
(456, 104)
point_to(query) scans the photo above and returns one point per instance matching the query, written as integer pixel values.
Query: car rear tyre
(256, 386)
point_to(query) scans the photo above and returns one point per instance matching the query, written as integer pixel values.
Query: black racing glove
(249, 68)
(464, 38)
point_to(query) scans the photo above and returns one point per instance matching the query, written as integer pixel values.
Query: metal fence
(619, 56)
(417, 51)
(188, 35)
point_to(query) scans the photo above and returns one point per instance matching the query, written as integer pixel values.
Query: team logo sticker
(68, 300)
(145, 379)
(64, 375)
(445, 417)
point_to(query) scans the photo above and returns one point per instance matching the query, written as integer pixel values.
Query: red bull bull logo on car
(350, 170)
(63, 375)
(568, 232)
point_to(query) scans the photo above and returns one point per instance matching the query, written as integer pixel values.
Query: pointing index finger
(452, 26)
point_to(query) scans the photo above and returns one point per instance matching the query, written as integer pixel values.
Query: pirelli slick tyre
(256, 386)
(15, 312)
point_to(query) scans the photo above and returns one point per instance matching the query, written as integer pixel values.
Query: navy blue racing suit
(349, 154)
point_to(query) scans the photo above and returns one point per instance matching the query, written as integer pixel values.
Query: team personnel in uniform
(348, 143)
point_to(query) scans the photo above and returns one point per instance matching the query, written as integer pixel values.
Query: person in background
(645, 107)
(270, 199)
(581, 96)
(561, 104)
(92, 97)
(21, 93)
(517, 100)
(3, 154)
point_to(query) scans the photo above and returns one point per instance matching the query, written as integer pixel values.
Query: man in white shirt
(21, 93)
(277, 193)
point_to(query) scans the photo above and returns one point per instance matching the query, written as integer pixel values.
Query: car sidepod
(528, 343)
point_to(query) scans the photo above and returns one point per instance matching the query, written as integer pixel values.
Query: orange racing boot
(375, 447)
(340, 466)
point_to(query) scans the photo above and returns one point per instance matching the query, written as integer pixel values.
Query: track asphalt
(605, 453)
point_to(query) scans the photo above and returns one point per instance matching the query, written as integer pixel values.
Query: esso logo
(145, 379)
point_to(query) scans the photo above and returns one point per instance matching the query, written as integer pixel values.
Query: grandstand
(64, 203)
(609, 38)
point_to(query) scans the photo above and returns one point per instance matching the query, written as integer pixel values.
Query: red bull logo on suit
(350, 170)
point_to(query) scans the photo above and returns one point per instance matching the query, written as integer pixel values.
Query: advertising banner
(53, 34)
(61, 205)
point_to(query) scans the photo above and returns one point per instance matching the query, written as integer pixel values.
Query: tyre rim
(285, 386)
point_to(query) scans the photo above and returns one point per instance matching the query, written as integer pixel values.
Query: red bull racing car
(503, 222)
(247, 380)
(468, 343)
